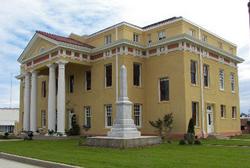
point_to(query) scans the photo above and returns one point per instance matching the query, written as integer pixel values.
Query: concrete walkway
(4, 163)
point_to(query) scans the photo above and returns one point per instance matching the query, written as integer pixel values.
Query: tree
(164, 125)
(191, 126)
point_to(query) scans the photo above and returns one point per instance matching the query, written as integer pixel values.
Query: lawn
(164, 155)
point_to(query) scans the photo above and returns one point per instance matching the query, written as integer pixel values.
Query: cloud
(20, 18)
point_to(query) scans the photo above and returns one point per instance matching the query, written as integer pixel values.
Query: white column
(33, 102)
(26, 117)
(61, 97)
(52, 98)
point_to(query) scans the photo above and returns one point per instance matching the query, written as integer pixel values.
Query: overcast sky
(20, 18)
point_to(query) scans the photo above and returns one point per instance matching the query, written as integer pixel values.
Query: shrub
(6, 135)
(51, 132)
(29, 135)
(164, 125)
(182, 142)
(191, 126)
(75, 130)
(197, 142)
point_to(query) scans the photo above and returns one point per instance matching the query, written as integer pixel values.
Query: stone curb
(35, 162)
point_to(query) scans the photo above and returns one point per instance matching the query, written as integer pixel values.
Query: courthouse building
(174, 66)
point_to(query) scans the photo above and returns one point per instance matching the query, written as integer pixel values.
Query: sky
(19, 19)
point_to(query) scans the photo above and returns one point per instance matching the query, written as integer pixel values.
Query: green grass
(243, 136)
(161, 156)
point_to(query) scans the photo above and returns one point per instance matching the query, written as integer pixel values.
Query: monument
(124, 133)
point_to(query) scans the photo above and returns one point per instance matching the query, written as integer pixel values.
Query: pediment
(37, 45)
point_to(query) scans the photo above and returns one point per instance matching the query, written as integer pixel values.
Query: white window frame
(149, 39)
(234, 112)
(204, 38)
(196, 113)
(108, 39)
(196, 72)
(140, 74)
(221, 79)
(43, 119)
(192, 32)
(159, 88)
(232, 82)
(86, 80)
(108, 113)
(223, 111)
(208, 76)
(136, 37)
(87, 113)
(138, 115)
(105, 80)
(161, 35)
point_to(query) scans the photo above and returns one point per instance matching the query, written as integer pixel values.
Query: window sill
(108, 87)
(87, 91)
(206, 87)
(223, 118)
(222, 90)
(108, 127)
(138, 87)
(194, 85)
(163, 102)
(234, 118)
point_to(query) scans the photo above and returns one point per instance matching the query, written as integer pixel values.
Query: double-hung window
(87, 116)
(108, 115)
(195, 113)
(108, 39)
(136, 37)
(222, 111)
(88, 80)
(161, 35)
(108, 75)
(234, 112)
(232, 82)
(221, 79)
(137, 114)
(71, 83)
(193, 71)
(44, 89)
(206, 75)
(164, 89)
(137, 74)
(43, 118)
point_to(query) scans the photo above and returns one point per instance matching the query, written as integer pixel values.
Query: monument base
(113, 142)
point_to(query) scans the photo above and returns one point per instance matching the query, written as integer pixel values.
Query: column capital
(62, 62)
(52, 65)
(34, 72)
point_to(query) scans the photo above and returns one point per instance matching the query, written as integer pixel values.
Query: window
(71, 83)
(41, 50)
(164, 89)
(193, 69)
(234, 112)
(204, 38)
(222, 111)
(43, 118)
(43, 88)
(195, 113)
(221, 79)
(108, 115)
(108, 75)
(231, 50)
(136, 37)
(137, 114)
(87, 114)
(206, 75)
(162, 49)
(191, 32)
(161, 35)
(232, 82)
(149, 39)
(220, 45)
(137, 74)
(88, 80)
(108, 39)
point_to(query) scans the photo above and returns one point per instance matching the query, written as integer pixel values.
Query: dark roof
(64, 39)
(161, 22)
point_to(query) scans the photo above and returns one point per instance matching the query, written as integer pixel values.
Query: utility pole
(11, 90)
(249, 11)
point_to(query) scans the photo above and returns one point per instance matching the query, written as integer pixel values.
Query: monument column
(52, 98)
(61, 97)
(26, 117)
(33, 102)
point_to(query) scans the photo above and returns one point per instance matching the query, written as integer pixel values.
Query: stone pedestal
(124, 133)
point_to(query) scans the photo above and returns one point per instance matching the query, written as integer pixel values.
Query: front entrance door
(210, 119)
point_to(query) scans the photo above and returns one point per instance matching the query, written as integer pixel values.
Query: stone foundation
(104, 141)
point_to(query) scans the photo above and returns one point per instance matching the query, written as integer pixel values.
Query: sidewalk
(4, 163)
